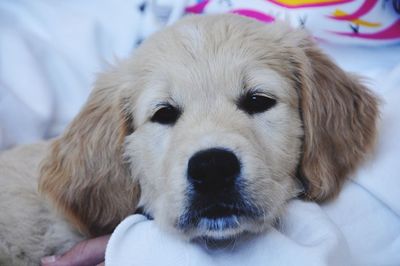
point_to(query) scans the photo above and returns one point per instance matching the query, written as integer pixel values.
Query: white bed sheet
(48, 61)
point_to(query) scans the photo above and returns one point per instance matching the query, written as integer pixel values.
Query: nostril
(213, 169)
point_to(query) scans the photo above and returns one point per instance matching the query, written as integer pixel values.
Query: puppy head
(216, 119)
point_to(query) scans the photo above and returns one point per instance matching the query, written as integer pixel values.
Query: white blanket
(49, 53)
(310, 238)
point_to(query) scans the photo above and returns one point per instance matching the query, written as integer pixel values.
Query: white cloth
(308, 237)
(50, 52)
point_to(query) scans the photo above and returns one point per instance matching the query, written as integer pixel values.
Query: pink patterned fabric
(368, 22)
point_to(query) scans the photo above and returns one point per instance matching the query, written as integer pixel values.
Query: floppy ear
(84, 173)
(339, 116)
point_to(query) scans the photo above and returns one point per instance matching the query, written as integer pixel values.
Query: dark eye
(166, 115)
(253, 103)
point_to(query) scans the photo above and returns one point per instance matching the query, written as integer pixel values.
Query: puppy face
(215, 119)
(218, 132)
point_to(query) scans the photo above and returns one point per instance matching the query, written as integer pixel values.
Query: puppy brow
(167, 102)
(257, 89)
(249, 83)
(261, 80)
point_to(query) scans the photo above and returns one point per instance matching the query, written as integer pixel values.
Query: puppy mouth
(217, 222)
(219, 217)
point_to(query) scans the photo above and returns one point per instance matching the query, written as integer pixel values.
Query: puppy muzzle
(216, 194)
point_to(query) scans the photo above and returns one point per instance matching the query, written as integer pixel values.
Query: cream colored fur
(29, 226)
(112, 158)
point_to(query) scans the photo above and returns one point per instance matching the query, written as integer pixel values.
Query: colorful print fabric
(342, 21)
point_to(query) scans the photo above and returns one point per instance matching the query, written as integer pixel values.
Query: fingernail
(49, 259)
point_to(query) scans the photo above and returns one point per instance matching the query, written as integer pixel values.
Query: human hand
(86, 253)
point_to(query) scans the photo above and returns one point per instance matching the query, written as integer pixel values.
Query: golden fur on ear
(85, 173)
(340, 117)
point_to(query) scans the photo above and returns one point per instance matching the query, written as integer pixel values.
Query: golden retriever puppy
(211, 127)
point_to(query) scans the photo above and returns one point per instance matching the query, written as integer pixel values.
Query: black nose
(213, 170)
